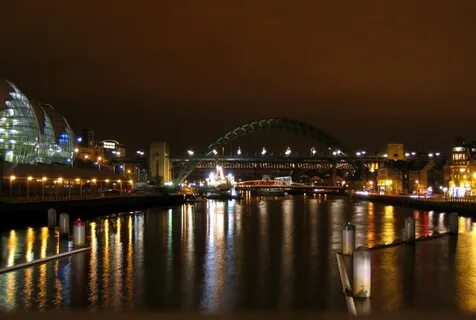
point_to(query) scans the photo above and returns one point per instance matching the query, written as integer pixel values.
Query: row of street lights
(264, 151)
(58, 181)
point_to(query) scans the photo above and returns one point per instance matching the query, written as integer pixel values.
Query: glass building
(31, 132)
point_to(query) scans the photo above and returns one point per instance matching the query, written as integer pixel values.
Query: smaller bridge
(292, 187)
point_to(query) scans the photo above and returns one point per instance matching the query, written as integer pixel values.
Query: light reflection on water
(260, 253)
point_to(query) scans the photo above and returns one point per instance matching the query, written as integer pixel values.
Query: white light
(288, 151)
(238, 152)
(263, 152)
(215, 152)
(313, 151)
(358, 154)
(190, 152)
(385, 155)
(437, 154)
(430, 155)
(413, 153)
(407, 154)
(168, 183)
(364, 152)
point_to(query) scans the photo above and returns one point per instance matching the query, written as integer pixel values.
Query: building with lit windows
(31, 132)
(462, 170)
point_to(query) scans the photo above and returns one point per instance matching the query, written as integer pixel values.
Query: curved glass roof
(32, 132)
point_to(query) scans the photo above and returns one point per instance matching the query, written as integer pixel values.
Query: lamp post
(59, 181)
(120, 186)
(43, 187)
(99, 163)
(28, 180)
(93, 181)
(78, 180)
(12, 178)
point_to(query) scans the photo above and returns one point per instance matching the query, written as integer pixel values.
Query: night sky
(367, 72)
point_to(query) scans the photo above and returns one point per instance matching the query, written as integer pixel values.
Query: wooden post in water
(362, 273)
(64, 224)
(410, 230)
(51, 218)
(348, 239)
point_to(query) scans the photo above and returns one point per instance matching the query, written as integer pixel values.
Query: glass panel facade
(19, 130)
(27, 136)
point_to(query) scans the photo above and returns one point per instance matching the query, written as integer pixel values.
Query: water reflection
(262, 253)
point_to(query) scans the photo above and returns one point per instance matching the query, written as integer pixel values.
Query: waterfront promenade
(35, 211)
(462, 205)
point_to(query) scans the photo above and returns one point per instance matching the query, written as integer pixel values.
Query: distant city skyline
(368, 73)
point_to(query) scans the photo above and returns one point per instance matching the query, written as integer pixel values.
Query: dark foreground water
(256, 254)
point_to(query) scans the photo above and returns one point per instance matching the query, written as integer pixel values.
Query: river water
(259, 253)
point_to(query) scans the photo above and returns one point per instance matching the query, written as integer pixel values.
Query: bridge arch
(249, 128)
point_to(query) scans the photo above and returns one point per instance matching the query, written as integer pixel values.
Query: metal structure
(247, 129)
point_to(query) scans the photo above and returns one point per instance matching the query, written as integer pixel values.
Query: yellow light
(12, 177)
(86, 156)
(128, 170)
(99, 158)
(76, 150)
(30, 178)
(119, 181)
(77, 180)
(474, 175)
(60, 180)
(107, 180)
(130, 181)
(44, 178)
(93, 180)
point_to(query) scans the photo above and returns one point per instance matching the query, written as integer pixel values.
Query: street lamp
(28, 180)
(239, 151)
(313, 151)
(287, 152)
(12, 178)
(78, 180)
(58, 182)
(120, 186)
(190, 152)
(263, 151)
(99, 163)
(43, 187)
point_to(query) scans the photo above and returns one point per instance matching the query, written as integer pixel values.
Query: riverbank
(462, 206)
(36, 211)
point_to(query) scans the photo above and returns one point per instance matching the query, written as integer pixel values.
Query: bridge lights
(263, 151)
(214, 152)
(287, 152)
(313, 151)
(190, 152)
(336, 152)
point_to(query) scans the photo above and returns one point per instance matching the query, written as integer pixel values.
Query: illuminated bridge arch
(247, 129)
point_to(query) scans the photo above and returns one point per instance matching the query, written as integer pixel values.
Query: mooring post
(362, 273)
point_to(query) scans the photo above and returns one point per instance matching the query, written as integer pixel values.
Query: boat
(223, 194)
